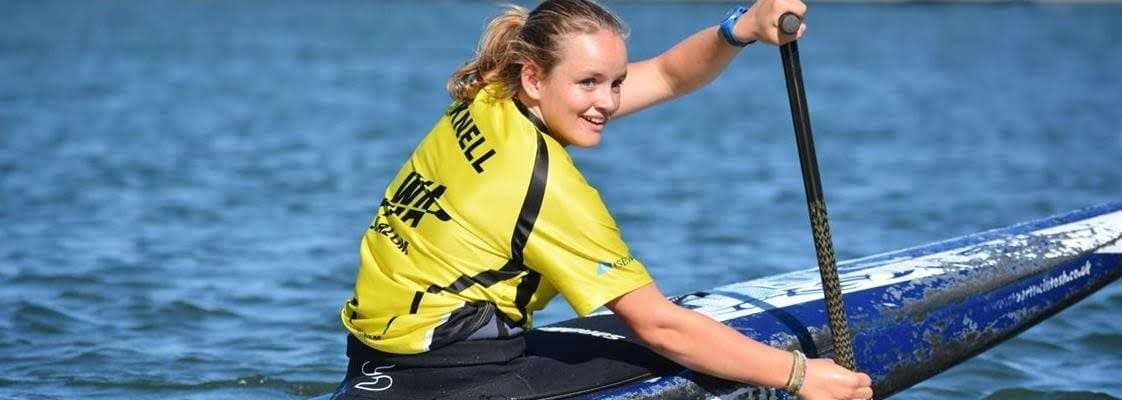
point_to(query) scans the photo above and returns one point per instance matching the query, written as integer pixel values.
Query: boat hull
(914, 313)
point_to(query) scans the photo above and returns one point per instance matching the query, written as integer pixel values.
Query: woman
(489, 219)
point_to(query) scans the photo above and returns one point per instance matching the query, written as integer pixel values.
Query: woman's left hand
(761, 22)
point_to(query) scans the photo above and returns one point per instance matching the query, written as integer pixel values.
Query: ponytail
(495, 59)
(518, 37)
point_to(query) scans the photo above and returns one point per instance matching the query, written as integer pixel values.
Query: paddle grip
(789, 23)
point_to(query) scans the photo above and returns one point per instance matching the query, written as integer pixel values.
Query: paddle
(816, 204)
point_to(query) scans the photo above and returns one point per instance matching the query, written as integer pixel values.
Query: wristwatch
(729, 22)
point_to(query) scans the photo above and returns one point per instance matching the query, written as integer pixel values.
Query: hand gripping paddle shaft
(823, 244)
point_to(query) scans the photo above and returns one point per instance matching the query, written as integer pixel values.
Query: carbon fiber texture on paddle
(831, 287)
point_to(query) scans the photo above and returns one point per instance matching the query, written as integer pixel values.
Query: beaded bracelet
(798, 373)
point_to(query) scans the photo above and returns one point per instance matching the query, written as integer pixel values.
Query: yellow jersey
(489, 218)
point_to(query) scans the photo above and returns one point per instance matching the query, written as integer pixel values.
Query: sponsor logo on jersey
(415, 198)
(387, 230)
(603, 267)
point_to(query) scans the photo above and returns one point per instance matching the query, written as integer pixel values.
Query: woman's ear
(532, 81)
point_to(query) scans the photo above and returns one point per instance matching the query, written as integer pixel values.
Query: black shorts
(479, 369)
(535, 365)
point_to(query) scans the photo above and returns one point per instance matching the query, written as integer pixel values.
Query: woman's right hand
(761, 22)
(826, 380)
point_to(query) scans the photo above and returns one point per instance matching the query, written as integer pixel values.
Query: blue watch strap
(728, 23)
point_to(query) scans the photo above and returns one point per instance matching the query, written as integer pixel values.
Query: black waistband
(473, 352)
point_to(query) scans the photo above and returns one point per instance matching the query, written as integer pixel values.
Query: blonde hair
(518, 37)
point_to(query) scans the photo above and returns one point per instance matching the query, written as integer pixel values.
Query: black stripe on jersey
(530, 208)
(388, 323)
(416, 302)
(527, 216)
(530, 116)
(532, 204)
(485, 279)
(526, 290)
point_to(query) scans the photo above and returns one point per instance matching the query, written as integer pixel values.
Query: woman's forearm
(704, 345)
(699, 342)
(707, 346)
(695, 61)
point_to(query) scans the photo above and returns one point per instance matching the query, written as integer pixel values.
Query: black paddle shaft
(816, 204)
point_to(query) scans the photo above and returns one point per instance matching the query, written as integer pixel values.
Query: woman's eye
(588, 83)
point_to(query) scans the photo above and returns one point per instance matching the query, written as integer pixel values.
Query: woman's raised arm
(697, 60)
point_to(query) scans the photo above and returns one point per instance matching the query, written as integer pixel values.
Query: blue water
(184, 183)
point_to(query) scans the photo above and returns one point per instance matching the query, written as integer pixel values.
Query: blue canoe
(914, 312)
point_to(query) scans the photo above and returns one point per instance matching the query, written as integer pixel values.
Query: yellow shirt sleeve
(576, 245)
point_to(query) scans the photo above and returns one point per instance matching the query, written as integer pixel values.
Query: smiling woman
(489, 219)
(583, 90)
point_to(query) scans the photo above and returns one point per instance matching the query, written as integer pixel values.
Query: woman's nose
(607, 100)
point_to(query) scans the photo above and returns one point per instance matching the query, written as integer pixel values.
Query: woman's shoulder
(489, 127)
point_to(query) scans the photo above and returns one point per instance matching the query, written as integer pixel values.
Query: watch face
(736, 12)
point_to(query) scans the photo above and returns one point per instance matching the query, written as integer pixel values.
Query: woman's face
(580, 94)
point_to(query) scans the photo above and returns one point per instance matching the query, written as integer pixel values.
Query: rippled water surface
(184, 183)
